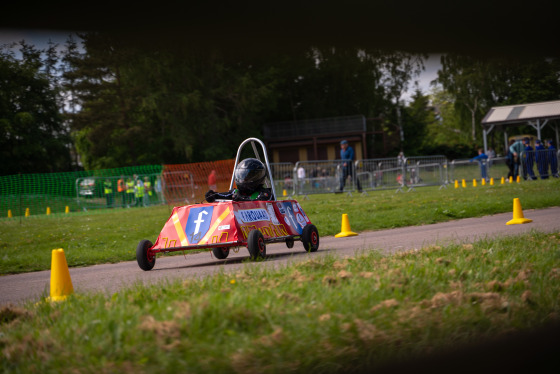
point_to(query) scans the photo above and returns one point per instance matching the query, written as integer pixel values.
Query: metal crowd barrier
(542, 163)
(283, 175)
(465, 169)
(372, 174)
(320, 177)
(381, 173)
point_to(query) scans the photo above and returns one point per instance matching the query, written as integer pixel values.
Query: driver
(249, 177)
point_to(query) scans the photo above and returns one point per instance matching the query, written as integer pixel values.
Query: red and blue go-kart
(224, 224)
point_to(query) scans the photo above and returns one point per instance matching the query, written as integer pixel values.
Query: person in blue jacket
(552, 159)
(481, 158)
(517, 149)
(529, 159)
(347, 156)
(542, 161)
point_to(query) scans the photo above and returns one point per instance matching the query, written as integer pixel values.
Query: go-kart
(225, 224)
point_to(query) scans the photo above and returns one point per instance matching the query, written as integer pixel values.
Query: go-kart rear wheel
(256, 245)
(146, 261)
(310, 238)
(220, 252)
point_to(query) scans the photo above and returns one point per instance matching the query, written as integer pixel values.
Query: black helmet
(249, 174)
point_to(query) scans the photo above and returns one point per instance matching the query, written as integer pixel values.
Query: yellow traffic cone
(483, 182)
(345, 231)
(9, 213)
(48, 211)
(456, 183)
(27, 212)
(463, 183)
(491, 181)
(510, 179)
(474, 182)
(518, 214)
(284, 193)
(518, 179)
(67, 210)
(61, 284)
(503, 181)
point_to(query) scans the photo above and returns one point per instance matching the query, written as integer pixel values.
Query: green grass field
(324, 315)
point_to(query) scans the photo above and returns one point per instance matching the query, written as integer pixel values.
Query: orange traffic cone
(491, 181)
(284, 193)
(27, 213)
(510, 179)
(67, 209)
(518, 214)
(474, 182)
(61, 284)
(48, 211)
(456, 183)
(503, 181)
(518, 179)
(483, 182)
(463, 183)
(9, 213)
(345, 231)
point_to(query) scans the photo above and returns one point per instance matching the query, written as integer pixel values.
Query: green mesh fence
(51, 193)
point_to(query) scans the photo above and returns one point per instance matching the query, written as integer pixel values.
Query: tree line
(100, 102)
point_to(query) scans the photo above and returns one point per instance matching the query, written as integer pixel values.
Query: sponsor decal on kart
(253, 215)
(198, 223)
(272, 214)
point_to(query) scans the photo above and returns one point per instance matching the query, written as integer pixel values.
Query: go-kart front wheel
(146, 261)
(256, 245)
(220, 252)
(310, 238)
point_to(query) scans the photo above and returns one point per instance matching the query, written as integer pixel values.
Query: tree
(32, 136)
(468, 79)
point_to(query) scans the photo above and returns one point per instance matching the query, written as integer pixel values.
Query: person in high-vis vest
(129, 192)
(147, 191)
(108, 190)
(121, 188)
(139, 192)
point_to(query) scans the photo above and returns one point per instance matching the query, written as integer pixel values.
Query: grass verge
(112, 236)
(324, 315)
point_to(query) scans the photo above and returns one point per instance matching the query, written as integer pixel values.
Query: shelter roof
(522, 113)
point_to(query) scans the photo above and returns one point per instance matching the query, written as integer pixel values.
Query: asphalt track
(109, 278)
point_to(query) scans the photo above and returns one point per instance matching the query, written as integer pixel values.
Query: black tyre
(220, 252)
(146, 261)
(310, 238)
(290, 242)
(256, 245)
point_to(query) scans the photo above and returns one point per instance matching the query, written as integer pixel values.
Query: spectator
(552, 159)
(481, 158)
(517, 149)
(212, 180)
(509, 160)
(542, 162)
(400, 159)
(529, 159)
(148, 191)
(301, 178)
(491, 156)
(347, 157)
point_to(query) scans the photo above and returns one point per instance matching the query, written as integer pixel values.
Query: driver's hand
(209, 196)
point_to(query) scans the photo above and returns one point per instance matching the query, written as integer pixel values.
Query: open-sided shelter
(537, 115)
